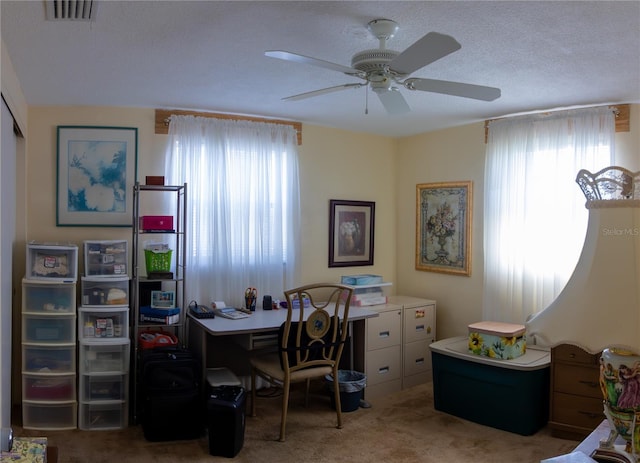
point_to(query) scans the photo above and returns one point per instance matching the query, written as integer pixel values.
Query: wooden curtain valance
(162, 120)
(622, 112)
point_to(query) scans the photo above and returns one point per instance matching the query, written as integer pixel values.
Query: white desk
(211, 337)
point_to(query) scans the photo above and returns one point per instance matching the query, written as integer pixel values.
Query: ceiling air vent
(71, 10)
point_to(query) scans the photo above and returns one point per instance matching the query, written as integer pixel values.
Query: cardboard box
(497, 340)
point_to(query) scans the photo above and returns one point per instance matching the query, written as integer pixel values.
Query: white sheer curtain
(534, 215)
(243, 212)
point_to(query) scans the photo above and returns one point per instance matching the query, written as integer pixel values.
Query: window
(242, 205)
(534, 215)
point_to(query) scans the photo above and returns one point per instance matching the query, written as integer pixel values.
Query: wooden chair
(310, 343)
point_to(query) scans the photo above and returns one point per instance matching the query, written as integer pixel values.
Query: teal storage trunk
(512, 395)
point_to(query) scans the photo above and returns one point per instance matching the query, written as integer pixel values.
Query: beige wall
(334, 164)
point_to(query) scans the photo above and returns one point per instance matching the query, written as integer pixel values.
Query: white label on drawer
(419, 327)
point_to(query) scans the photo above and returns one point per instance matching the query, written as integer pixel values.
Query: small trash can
(226, 420)
(350, 384)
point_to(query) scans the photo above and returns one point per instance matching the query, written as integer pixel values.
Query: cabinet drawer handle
(589, 383)
(420, 361)
(384, 334)
(383, 370)
(419, 327)
(591, 414)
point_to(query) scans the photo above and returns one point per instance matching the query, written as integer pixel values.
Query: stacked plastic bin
(49, 395)
(103, 333)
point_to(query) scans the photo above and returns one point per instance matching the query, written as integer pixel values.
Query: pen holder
(250, 303)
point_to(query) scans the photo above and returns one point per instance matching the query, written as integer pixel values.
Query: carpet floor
(403, 427)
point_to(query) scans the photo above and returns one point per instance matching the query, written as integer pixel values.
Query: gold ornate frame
(443, 227)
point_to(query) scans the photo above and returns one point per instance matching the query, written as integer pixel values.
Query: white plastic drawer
(104, 387)
(384, 330)
(104, 324)
(50, 416)
(48, 359)
(52, 262)
(104, 357)
(50, 297)
(48, 387)
(48, 329)
(417, 358)
(419, 323)
(106, 258)
(101, 292)
(383, 365)
(103, 416)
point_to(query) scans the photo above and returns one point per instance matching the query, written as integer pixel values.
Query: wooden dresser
(576, 399)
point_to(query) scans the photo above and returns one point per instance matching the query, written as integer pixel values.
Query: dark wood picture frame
(351, 232)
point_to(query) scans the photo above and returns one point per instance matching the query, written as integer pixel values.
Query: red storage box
(156, 222)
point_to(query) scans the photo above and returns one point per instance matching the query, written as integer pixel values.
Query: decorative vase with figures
(620, 384)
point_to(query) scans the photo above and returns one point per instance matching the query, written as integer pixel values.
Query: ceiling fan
(382, 69)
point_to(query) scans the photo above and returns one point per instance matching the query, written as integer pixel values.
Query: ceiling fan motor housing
(373, 60)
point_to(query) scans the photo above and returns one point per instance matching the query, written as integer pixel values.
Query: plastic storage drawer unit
(226, 420)
(103, 324)
(104, 387)
(49, 387)
(100, 416)
(53, 416)
(48, 297)
(49, 359)
(101, 292)
(106, 258)
(49, 329)
(52, 262)
(99, 357)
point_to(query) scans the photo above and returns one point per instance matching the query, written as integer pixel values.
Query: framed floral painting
(97, 168)
(443, 227)
(351, 233)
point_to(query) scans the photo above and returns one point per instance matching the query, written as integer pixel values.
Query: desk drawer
(385, 330)
(419, 323)
(417, 357)
(383, 365)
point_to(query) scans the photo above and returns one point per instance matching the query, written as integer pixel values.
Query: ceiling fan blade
(393, 102)
(477, 92)
(302, 96)
(428, 49)
(288, 56)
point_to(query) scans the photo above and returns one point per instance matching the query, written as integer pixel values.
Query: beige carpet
(403, 427)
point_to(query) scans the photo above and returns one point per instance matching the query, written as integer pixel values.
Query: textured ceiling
(209, 56)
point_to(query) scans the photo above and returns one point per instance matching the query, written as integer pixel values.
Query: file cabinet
(383, 351)
(419, 331)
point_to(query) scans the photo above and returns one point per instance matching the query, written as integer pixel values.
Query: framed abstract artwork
(97, 168)
(351, 225)
(443, 227)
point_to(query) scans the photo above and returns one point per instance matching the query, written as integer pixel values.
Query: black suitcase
(226, 420)
(171, 394)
